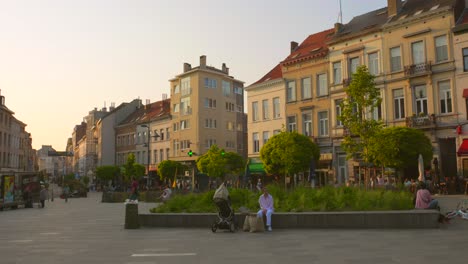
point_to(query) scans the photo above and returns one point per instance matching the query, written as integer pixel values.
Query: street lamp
(149, 153)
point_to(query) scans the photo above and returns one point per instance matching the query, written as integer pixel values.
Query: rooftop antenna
(340, 14)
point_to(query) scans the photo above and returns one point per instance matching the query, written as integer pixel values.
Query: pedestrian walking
(66, 192)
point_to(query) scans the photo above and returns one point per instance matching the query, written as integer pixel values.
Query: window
(373, 63)
(176, 127)
(230, 107)
(306, 86)
(155, 156)
(167, 153)
(338, 112)
(209, 142)
(238, 90)
(323, 123)
(417, 51)
(353, 65)
(307, 123)
(337, 79)
(226, 88)
(276, 108)
(266, 136)
(395, 59)
(167, 133)
(229, 125)
(161, 154)
(255, 111)
(256, 143)
(441, 48)
(376, 114)
(161, 134)
(322, 88)
(291, 123)
(210, 103)
(276, 132)
(185, 106)
(176, 108)
(465, 59)
(185, 86)
(239, 127)
(185, 144)
(399, 103)
(420, 96)
(445, 97)
(266, 114)
(176, 89)
(210, 83)
(184, 124)
(291, 91)
(210, 123)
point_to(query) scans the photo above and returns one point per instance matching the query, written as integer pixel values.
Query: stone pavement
(87, 231)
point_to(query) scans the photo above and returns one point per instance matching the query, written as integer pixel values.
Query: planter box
(354, 219)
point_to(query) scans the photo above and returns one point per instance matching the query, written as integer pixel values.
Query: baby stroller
(226, 216)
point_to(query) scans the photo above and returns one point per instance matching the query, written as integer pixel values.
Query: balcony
(418, 69)
(186, 111)
(421, 121)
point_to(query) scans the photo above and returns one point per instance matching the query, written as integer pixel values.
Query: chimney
(202, 61)
(187, 67)
(164, 96)
(227, 70)
(338, 27)
(393, 6)
(294, 45)
(224, 67)
(112, 107)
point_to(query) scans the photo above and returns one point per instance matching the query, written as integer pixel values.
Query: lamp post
(149, 153)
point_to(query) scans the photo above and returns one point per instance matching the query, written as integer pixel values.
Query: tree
(132, 169)
(168, 168)
(107, 173)
(399, 147)
(288, 153)
(216, 164)
(357, 109)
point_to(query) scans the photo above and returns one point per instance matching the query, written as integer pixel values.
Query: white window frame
(399, 104)
(337, 76)
(338, 110)
(256, 143)
(265, 110)
(307, 123)
(445, 97)
(292, 126)
(306, 92)
(255, 111)
(373, 63)
(276, 107)
(322, 84)
(393, 60)
(323, 124)
(420, 102)
(437, 46)
(418, 56)
(291, 91)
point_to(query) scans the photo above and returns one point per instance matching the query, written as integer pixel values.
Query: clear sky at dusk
(61, 58)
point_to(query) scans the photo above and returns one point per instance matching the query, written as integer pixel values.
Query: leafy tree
(216, 164)
(168, 168)
(107, 173)
(399, 147)
(288, 153)
(132, 169)
(357, 109)
(68, 178)
(85, 180)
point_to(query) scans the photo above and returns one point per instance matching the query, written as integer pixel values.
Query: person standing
(134, 195)
(66, 192)
(43, 195)
(266, 207)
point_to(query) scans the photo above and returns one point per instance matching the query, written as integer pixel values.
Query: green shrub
(301, 199)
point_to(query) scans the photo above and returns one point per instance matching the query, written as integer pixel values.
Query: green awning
(256, 168)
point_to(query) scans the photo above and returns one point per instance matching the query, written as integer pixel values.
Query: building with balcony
(207, 109)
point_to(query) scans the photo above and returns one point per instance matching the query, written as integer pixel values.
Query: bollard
(131, 216)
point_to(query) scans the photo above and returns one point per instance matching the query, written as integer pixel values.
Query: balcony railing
(421, 121)
(417, 69)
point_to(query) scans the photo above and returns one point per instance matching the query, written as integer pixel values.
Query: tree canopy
(107, 173)
(132, 169)
(217, 163)
(288, 153)
(167, 169)
(399, 147)
(358, 113)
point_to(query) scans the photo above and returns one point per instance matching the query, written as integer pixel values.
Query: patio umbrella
(421, 168)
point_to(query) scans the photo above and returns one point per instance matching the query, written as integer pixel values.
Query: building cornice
(417, 19)
(198, 69)
(264, 84)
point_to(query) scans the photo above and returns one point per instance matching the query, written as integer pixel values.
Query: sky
(59, 59)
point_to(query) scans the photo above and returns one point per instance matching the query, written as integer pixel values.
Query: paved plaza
(84, 230)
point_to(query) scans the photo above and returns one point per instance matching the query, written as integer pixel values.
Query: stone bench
(352, 219)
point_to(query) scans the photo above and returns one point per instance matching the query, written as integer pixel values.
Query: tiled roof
(275, 73)
(313, 46)
(147, 113)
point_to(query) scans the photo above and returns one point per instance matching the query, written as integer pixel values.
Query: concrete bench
(352, 219)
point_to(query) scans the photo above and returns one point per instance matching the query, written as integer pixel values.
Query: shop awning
(465, 93)
(463, 149)
(256, 168)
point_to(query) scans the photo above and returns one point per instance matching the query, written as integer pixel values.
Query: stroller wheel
(214, 227)
(232, 227)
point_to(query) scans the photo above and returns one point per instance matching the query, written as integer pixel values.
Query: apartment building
(267, 115)
(16, 153)
(420, 74)
(146, 134)
(207, 109)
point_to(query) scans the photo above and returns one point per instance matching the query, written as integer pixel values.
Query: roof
(149, 112)
(412, 7)
(363, 24)
(275, 73)
(314, 46)
(462, 23)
